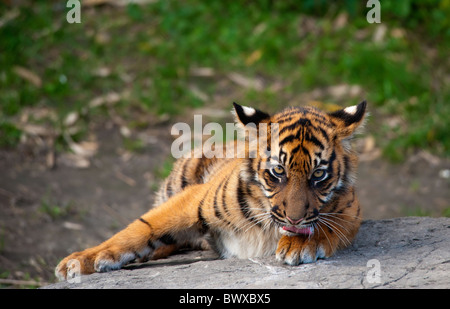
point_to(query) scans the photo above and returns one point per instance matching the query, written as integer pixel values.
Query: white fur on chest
(252, 243)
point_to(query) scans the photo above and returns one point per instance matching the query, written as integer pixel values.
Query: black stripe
(338, 174)
(201, 219)
(242, 201)
(286, 118)
(145, 221)
(311, 217)
(295, 150)
(184, 180)
(250, 169)
(217, 212)
(347, 170)
(322, 201)
(151, 245)
(287, 139)
(168, 190)
(306, 163)
(198, 172)
(272, 195)
(268, 189)
(216, 208)
(289, 127)
(334, 206)
(327, 186)
(324, 133)
(224, 191)
(203, 224)
(332, 158)
(167, 239)
(311, 138)
(275, 211)
(349, 204)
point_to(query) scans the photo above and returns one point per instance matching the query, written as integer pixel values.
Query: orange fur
(299, 203)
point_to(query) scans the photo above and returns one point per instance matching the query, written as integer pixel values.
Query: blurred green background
(86, 109)
(166, 56)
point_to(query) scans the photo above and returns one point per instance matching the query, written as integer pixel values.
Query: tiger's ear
(245, 115)
(347, 120)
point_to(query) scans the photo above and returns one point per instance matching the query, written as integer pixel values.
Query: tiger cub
(295, 198)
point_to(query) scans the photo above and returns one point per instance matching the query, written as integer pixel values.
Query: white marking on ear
(248, 111)
(351, 109)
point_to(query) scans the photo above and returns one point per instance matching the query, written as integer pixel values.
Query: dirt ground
(47, 213)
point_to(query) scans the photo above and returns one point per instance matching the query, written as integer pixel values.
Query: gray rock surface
(395, 253)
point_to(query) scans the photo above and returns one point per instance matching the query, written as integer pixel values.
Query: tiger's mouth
(308, 230)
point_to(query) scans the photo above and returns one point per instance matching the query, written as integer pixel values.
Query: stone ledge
(411, 252)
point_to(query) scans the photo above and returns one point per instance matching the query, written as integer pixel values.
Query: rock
(409, 252)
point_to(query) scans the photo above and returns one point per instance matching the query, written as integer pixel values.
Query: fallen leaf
(398, 33)
(14, 13)
(198, 93)
(72, 226)
(102, 72)
(246, 82)
(71, 118)
(125, 131)
(109, 98)
(379, 34)
(28, 75)
(202, 72)
(128, 180)
(340, 91)
(34, 129)
(369, 143)
(84, 149)
(73, 160)
(254, 57)
(340, 21)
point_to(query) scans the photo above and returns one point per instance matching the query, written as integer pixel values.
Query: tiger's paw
(90, 261)
(295, 250)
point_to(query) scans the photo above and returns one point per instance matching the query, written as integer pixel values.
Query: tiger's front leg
(332, 231)
(297, 249)
(141, 238)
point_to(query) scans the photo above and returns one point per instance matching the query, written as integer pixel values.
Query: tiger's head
(308, 162)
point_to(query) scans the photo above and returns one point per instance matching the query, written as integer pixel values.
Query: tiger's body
(299, 202)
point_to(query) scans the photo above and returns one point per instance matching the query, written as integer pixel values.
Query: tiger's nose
(294, 222)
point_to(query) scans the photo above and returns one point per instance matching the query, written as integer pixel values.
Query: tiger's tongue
(293, 229)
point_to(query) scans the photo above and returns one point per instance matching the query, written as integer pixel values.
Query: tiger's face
(309, 166)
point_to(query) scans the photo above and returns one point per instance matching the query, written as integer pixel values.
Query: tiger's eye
(318, 173)
(278, 170)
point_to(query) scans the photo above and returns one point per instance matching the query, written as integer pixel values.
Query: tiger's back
(294, 197)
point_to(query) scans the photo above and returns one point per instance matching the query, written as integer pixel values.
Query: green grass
(55, 210)
(164, 170)
(9, 134)
(149, 51)
(415, 211)
(446, 212)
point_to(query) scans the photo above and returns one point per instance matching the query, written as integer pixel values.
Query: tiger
(297, 201)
